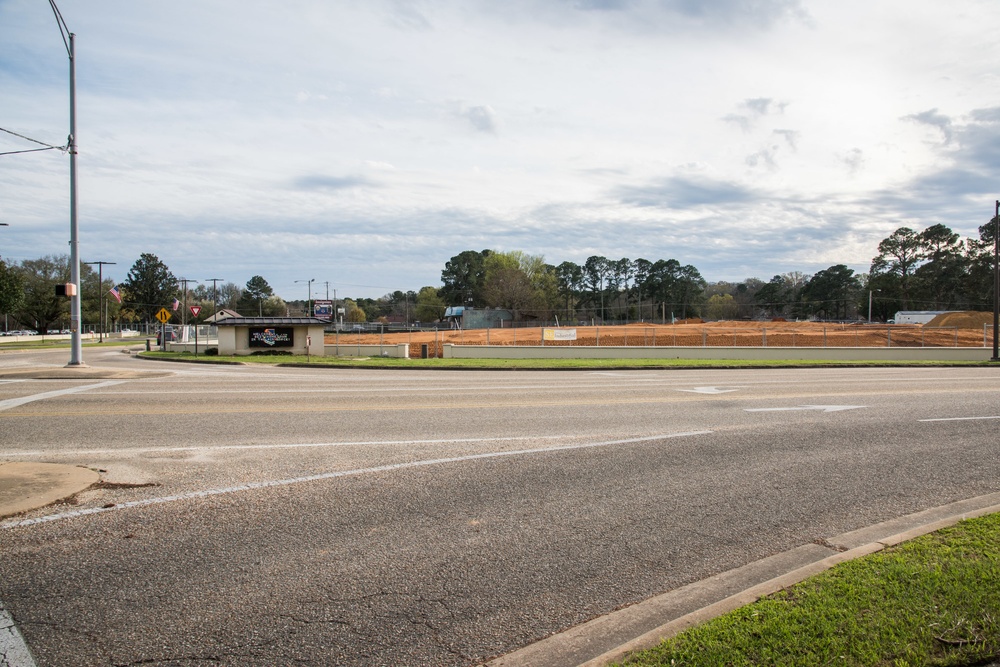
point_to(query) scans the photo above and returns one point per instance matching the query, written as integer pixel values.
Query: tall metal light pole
(215, 293)
(996, 283)
(309, 303)
(100, 295)
(185, 281)
(76, 344)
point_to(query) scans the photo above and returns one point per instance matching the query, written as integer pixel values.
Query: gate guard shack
(296, 335)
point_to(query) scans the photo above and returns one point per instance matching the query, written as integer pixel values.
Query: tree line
(930, 269)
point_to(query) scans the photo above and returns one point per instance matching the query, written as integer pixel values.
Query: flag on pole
(115, 293)
(177, 304)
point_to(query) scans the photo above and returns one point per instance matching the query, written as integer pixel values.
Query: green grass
(552, 364)
(932, 601)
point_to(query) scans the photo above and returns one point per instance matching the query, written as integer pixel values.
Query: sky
(363, 143)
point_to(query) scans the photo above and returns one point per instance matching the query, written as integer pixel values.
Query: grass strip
(535, 364)
(932, 601)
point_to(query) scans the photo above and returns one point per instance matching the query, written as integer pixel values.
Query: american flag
(177, 304)
(115, 293)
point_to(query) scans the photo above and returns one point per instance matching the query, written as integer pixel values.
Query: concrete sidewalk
(28, 486)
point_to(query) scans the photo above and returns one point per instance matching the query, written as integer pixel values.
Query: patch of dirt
(692, 333)
(967, 319)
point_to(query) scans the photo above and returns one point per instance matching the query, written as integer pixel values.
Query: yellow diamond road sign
(163, 315)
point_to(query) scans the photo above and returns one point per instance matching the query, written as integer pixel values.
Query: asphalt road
(270, 516)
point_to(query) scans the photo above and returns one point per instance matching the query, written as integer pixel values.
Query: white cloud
(391, 135)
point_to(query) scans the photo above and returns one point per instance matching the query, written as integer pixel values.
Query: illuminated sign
(271, 336)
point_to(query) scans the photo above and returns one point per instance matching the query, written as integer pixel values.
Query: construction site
(954, 329)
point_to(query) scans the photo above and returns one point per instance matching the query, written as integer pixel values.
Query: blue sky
(364, 143)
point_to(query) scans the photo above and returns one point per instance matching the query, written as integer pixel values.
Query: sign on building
(271, 336)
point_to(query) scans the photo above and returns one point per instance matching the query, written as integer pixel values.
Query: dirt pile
(967, 319)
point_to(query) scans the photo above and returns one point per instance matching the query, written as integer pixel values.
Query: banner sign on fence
(271, 336)
(559, 334)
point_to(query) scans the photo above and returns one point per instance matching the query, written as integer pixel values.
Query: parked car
(171, 335)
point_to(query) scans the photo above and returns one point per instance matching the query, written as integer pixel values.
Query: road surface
(268, 516)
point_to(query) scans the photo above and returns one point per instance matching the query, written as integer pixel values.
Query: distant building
(221, 315)
(460, 317)
(917, 316)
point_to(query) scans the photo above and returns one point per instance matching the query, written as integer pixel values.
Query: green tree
(774, 297)
(229, 295)
(898, 257)
(256, 293)
(521, 283)
(40, 306)
(940, 282)
(353, 312)
(11, 288)
(979, 258)
(595, 275)
(429, 305)
(721, 307)
(831, 292)
(150, 286)
(274, 306)
(464, 276)
(569, 279)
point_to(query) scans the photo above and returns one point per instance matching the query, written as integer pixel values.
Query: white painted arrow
(709, 390)
(821, 408)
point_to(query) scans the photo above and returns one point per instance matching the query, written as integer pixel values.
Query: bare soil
(964, 331)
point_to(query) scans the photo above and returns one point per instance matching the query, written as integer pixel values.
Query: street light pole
(76, 344)
(309, 302)
(100, 295)
(215, 293)
(996, 283)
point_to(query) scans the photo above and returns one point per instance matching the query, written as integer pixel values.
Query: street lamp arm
(63, 28)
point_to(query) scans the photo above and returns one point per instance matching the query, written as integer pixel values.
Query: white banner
(559, 334)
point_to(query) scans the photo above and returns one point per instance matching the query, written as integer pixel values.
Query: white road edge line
(957, 419)
(13, 650)
(303, 445)
(15, 402)
(333, 475)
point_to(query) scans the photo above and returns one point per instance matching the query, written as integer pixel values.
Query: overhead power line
(48, 147)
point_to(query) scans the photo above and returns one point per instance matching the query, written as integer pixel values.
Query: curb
(609, 639)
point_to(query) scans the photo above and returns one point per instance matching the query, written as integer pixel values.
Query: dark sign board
(271, 336)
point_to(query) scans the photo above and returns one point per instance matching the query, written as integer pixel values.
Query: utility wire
(48, 147)
(32, 150)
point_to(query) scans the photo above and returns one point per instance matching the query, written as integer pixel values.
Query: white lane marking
(710, 390)
(13, 650)
(821, 408)
(957, 419)
(15, 402)
(212, 448)
(333, 475)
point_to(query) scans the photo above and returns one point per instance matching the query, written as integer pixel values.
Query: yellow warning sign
(163, 315)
